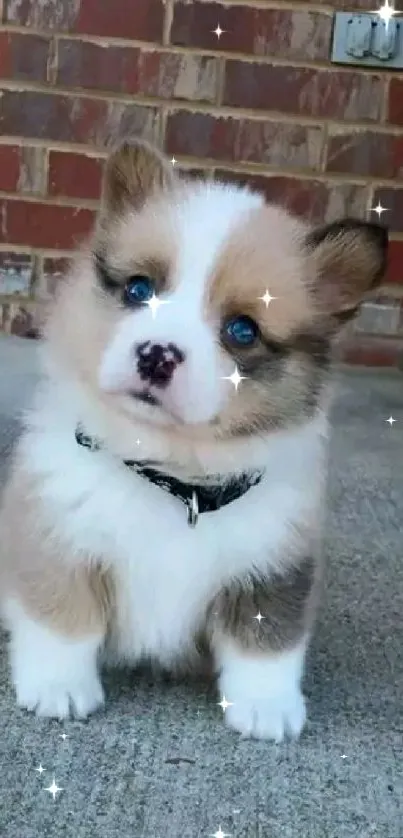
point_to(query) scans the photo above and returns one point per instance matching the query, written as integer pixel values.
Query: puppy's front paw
(53, 675)
(263, 692)
(268, 717)
(60, 699)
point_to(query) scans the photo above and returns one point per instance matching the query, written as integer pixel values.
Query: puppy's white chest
(165, 571)
(163, 583)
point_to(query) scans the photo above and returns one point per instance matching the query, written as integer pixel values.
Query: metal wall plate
(367, 41)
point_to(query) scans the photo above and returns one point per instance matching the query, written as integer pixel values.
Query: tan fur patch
(132, 173)
(348, 259)
(74, 600)
(264, 254)
(287, 599)
(287, 604)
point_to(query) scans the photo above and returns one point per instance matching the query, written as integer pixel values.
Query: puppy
(166, 496)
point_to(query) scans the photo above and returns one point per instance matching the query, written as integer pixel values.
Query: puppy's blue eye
(241, 330)
(138, 289)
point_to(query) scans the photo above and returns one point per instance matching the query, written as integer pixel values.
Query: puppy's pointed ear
(133, 172)
(349, 261)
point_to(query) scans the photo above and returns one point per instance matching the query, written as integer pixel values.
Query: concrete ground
(158, 762)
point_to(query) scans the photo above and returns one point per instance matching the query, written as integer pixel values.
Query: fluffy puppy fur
(98, 563)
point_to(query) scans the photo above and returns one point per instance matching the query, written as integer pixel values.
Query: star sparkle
(235, 378)
(391, 421)
(220, 834)
(154, 303)
(259, 617)
(379, 209)
(224, 703)
(267, 298)
(53, 789)
(173, 161)
(218, 31)
(64, 736)
(386, 13)
(40, 769)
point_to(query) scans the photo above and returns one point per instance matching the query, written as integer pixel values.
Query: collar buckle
(193, 510)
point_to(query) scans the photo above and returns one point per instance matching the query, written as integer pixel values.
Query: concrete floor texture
(158, 762)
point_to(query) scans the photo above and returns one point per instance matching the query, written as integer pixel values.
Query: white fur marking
(264, 694)
(196, 393)
(52, 674)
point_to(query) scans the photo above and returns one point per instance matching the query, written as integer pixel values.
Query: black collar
(197, 498)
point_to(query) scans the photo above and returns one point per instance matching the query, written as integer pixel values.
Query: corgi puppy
(165, 500)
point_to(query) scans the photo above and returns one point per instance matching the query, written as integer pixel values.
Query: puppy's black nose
(157, 362)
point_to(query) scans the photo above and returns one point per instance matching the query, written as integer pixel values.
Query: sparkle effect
(259, 617)
(218, 31)
(220, 834)
(391, 421)
(235, 378)
(53, 789)
(154, 303)
(224, 703)
(40, 769)
(173, 160)
(379, 209)
(386, 13)
(63, 736)
(267, 298)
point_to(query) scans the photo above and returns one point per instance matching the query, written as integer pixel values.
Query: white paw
(60, 699)
(269, 717)
(264, 694)
(54, 675)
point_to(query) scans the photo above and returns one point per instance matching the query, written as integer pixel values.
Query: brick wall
(261, 103)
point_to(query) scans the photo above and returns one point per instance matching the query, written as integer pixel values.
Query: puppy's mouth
(146, 397)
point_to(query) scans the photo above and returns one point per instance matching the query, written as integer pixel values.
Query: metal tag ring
(193, 511)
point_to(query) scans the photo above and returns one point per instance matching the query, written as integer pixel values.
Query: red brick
(55, 265)
(74, 175)
(242, 140)
(298, 35)
(372, 352)
(355, 5)
(352, 5)
(304, 197)
(9, 167)
(22, 319)
(131, 70)
(308, 92)
(395, 111)
(32, 179)
(314, 200)
(53, 270)
(23, 56)
(394, 274)
(73, 119)
(43, 225)
(392, 200)
(21, 169)
(366, 153)
(41, 14)
(140, 19)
